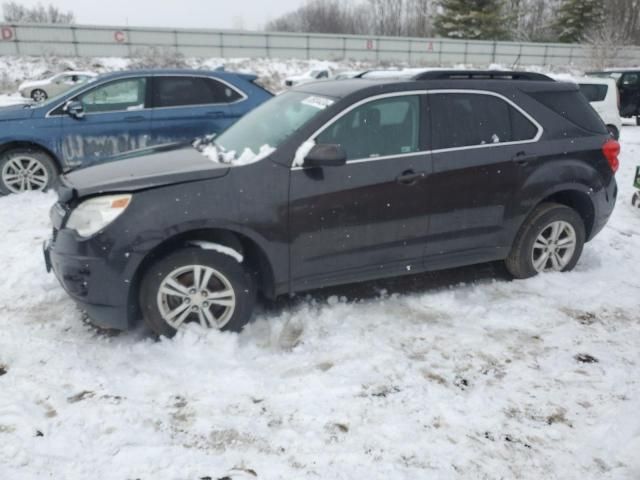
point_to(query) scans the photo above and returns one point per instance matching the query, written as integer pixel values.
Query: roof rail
(480, 75)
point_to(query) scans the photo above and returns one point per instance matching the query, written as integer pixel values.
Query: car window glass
(594, 92)
(184, 91)
(128, 94)
(379, 128)
(469, 119)
(631, 79)
(572, 106)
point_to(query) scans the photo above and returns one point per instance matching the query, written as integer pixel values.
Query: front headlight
(94, 214)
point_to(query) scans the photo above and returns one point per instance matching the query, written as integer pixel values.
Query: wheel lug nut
(192, 291)
(205, 305)
(205, 294)
(195, 309)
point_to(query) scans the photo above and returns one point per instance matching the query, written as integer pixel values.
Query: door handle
(522, 159)
(137, 118)
(410, 177)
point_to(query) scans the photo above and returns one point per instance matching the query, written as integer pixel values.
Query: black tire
(48, 166)
(520, 261)
(39, 95)
(613, 131)
(235, 273)
(638, 121)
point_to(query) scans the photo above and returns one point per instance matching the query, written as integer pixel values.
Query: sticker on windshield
(318, 102)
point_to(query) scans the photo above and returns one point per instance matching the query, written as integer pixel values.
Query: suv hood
(149, 168)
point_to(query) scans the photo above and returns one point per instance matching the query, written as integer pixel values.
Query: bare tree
(13, 12)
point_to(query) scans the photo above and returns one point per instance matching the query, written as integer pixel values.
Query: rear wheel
(551, 240)
(39, 95)
(24, 170)
(193, 285)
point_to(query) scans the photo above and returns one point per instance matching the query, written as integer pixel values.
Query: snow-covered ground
(423, 377)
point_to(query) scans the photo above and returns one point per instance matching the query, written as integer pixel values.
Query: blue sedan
(114, 114)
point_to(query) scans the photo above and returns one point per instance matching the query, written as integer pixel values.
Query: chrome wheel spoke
(179, 311)
(206, 278)
(539, 245)
(567, 243)
(209, 318)
(176, 289)
(556, 230)
(541, 264)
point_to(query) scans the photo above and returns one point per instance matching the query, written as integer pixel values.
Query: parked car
(40, 90)
(604, 97)
(628, 81)
(338, 182)
(114, 114)
(310, 76)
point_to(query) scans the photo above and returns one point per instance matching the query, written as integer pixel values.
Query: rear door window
(594, 92)
(474, 119)
(180, 91)
(386, 127)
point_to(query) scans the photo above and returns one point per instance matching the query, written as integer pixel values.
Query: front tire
(550, 240)
(197, 285)
(24, 170)
(39, 95)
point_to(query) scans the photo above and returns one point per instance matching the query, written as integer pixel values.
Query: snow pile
(420, 377)
(247, 157)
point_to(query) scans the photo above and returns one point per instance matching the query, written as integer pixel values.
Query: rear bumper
(91, 281)
(604, 204)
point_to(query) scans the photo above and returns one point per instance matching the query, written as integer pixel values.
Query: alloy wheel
(38, 96)
(23, 174)
(554, 247)
(196, 293)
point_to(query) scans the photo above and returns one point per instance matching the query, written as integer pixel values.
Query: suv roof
(438, 79)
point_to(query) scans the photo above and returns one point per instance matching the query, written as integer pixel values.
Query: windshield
(273, 122)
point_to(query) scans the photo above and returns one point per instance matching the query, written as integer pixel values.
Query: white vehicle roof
(565, 77)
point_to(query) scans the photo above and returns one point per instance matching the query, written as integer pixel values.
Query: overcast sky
(249, 14)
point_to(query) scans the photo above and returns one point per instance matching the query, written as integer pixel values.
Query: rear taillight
(611, 150)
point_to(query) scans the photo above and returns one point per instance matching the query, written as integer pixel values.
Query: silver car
(40, 90)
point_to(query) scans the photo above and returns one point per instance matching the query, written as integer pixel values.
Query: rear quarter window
(574, 107)
(594, 92)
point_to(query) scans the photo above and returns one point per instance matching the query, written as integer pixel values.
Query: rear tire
(613, 131)
(39, 95)
(550, 240)
(197, 285)
(23, 170)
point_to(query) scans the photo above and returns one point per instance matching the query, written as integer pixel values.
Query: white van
(603, 95)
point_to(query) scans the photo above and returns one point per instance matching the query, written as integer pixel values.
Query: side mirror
(326, 156)
(74, 109)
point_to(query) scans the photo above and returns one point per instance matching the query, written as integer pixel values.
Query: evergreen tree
(472, 19)
(575, 18)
